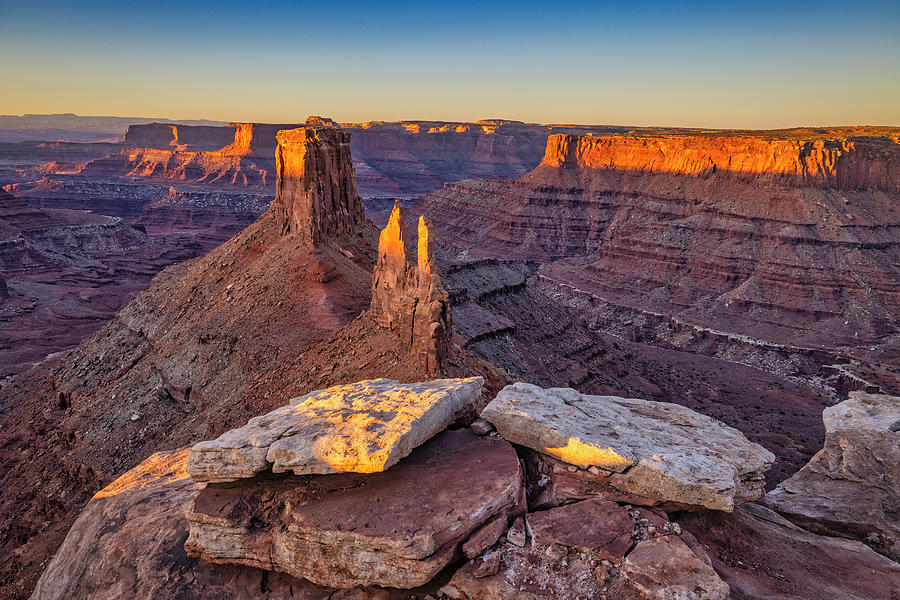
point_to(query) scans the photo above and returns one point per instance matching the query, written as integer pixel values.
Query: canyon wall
(315, 190)
(239, 155)
(747, 245)
(400, 159)
(855, 163)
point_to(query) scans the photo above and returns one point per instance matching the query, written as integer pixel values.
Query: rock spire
(315, 189)
(409, 299)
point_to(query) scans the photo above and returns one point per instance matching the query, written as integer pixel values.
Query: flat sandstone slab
(396, 529)
(661, 452)
(362, 427)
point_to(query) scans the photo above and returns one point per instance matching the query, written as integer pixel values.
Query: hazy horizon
(703, 65)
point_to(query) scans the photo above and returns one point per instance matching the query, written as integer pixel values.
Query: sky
(691, 64)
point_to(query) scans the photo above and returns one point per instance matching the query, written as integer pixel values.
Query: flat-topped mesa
(177, 137)
(409, 299)
(845, 163)
(315, 189)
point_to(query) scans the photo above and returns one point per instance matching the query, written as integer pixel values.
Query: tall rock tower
(409, 299)
(315, 188)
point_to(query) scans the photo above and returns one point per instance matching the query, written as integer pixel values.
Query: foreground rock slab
(851, 488)
(665, 568)
(640, 451)
(395, 529)
(596, 525)
(362, 427)
(127, 543)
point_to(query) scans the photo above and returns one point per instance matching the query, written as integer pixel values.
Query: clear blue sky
(709, 64)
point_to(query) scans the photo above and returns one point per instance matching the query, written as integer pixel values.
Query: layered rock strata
(325, 204)
(363, 427)
(863, 163)
(851, 488)
(639, 451)
(128, 543)
(759, 247)
(409, 299)
(190, 138)
(396, 529)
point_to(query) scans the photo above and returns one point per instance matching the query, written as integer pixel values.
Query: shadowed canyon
(449, 360)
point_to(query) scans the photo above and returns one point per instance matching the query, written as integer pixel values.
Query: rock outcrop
(363, 427)
(409, 299)
(315, 190)
(638, 451)
(398, 528)
(128, 543)
(851, 488)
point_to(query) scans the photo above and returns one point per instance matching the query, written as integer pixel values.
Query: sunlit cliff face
(840, 162)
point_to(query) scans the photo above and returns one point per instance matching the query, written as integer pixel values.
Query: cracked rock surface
(362, 427)
(655, 453)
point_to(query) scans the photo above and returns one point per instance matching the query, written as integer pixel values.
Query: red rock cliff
(845, 163)
(193, 138)
(254, 139)
(315, 189)
(409, 299)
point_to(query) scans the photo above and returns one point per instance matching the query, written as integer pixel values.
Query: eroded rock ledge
(398, 528)
(851, 487)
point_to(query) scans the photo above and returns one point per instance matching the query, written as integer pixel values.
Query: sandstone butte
(324, 205)
(363, 427)
(409, 299)
(652, 453)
